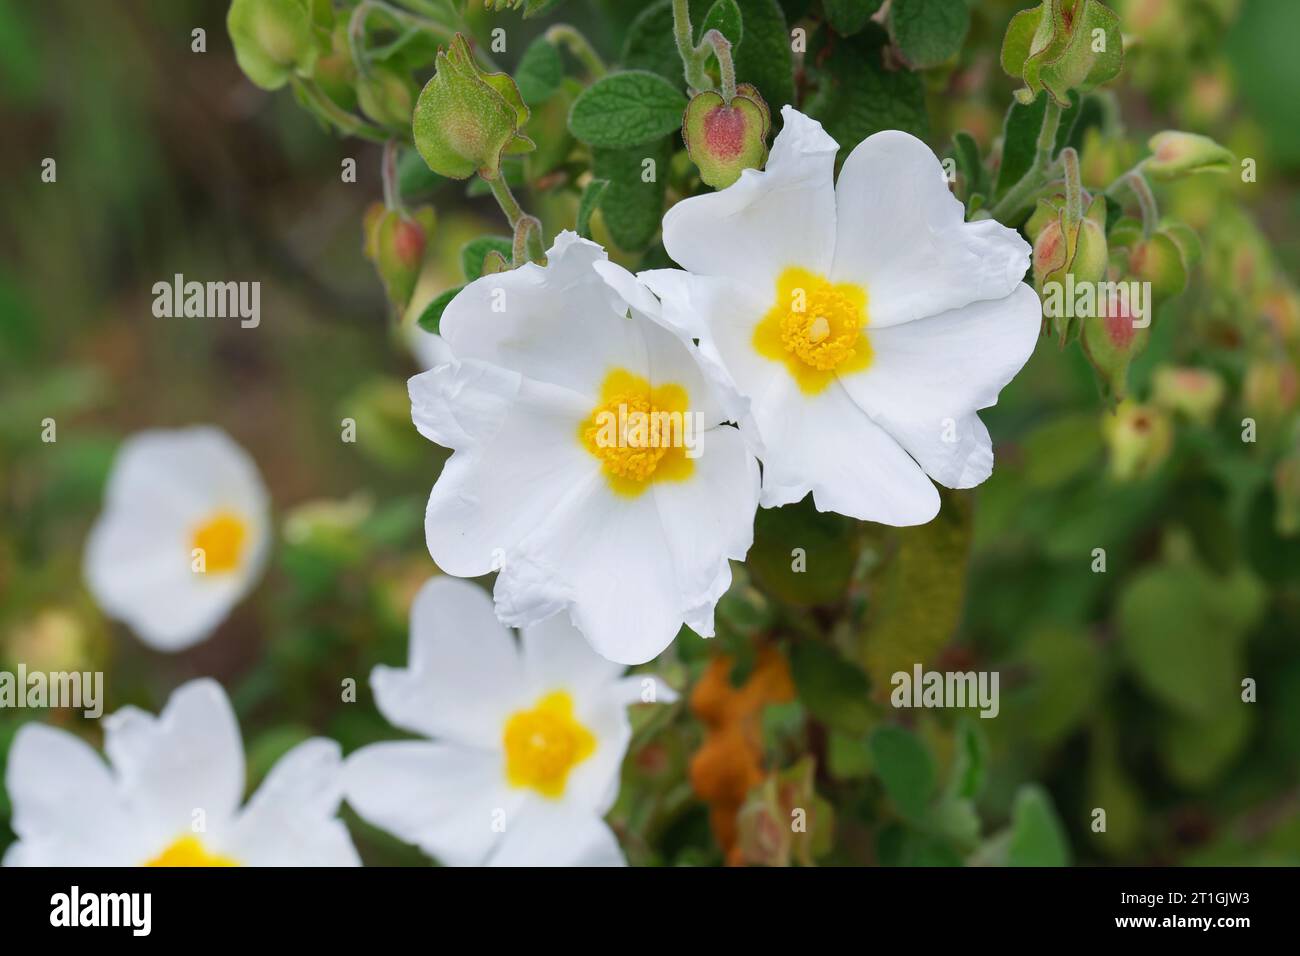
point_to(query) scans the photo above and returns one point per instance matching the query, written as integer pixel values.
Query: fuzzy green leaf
(626, 109)
(431, 317)
(929, 31)
(589, 203)
(633, 203)
(475, 251)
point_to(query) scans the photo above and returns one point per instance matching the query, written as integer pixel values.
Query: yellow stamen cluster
(544, 744)
(815, 328)
(221, 539)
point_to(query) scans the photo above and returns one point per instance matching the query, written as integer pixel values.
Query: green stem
(1019, 198)
(1138, 186)
(722, 50)
(527, 229)
(330, 112)
(572, 39)
(692, 62)
(1073, 185)
(392, 192)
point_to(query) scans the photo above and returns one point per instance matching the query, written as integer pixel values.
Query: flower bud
(396, 243)
(1138, 440)
(386, 96)
(1158, 260)
(1196, 393)
(1066, 257)
(466, 119)
(1175, 154)
(724, 138)
(273, 39)
(1057, 47)
(1111, 341)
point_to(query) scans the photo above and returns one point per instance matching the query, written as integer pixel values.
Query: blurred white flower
(529, 739)
(183, 536)
(170, 794)
(629, 529)
(865, 319)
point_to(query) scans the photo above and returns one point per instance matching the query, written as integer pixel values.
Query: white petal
(927, 379)
(138, 556)
(559, 323)
(188, 758)
(765, 221)
(450, 801)
(557, 834)
(465, 676)
(904, 237)
(292, 819)
(66, 809)
(825, 444)
(558, 657)
(492, 494)
(459, 403)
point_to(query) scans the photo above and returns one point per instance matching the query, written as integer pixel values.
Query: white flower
(530, 739)
(183, 536)
(172, 794)
(865, 320)
(629, 529)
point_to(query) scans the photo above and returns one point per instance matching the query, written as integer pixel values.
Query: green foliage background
(1120, 690)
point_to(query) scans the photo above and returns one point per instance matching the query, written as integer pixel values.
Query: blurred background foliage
(1120, 688)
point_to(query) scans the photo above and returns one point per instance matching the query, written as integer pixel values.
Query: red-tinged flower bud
(1195, 393)
(725, 138)
(1175, 154)
(1138, 440)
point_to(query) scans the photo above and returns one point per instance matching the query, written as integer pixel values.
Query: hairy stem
(1073, 185)
(692, 61)
(1137, 184)
(722, 50)
(572, 39)
(1019, 198)
(527, 229)
(392, 193)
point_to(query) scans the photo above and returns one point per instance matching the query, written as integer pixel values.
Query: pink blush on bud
(724, 132)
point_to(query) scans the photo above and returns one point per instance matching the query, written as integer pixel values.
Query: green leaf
(475, 251)
(723, 16)
(649, 44)
(1020, 132)
(970, 763)
(414, 177)
(627, 109)
(856, 96)
(969, 165)
(919, 593)
(929, 31)
(905, 768)
(633, 204)
(832, 689)
(589, 203)
(1037, 837)
(803, 556)
(763, 57)
(540, 72)
(431, 317)
(848, 17)
(1181, 631)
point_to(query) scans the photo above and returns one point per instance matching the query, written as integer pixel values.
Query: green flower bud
(466, 119)
(1175, 154)
(273, 39)
(1138, 440)
(396, 243)
(1067, 257)
(386, 96)
(724, 138)
(1111, 341)
(1195, 393)
(1057, 47)
(1158, 260)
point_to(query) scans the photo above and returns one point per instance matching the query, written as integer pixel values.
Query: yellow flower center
(815, 329)
(543, 744)
(189, 851)
(221, 539)
(640, 433)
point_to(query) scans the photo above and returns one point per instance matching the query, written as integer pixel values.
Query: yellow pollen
(544, 744)
(221, 539)
(188, 851)
(638, 432)
(815, 328)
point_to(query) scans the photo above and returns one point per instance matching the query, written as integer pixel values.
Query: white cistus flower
(865, 319)
(183, 535)
(528, 739)
(592, 462)
(170, 794)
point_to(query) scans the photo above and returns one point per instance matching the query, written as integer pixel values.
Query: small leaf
(832, 689)
(473, 253)
(431, 317)
(649, 43)
(589, 203)
(540, 72)
(1037, 837)
(905, 768)
(764, 57)
(627, 109)
(848, 17)
(929, 31)
(723, 16)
